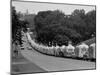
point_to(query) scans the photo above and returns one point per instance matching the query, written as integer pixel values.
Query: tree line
(56, 26)
(60, 28)
(17, 26)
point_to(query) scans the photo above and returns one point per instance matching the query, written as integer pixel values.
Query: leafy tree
(46, 21)
(17, 26)
(91, 23)
(56, 26)
(85, 24)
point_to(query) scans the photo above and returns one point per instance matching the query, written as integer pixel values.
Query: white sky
(35, 7)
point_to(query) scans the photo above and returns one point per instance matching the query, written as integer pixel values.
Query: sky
(35, 7)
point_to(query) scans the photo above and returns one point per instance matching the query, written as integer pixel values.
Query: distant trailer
(92, 51)
(83, 50)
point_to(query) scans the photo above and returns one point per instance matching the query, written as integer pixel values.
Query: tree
(46, 22)
(78, 19)
(91, 23)
(17, 26)
(56, 26)
(85, 24)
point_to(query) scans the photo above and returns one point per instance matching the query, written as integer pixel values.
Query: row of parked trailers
(82, 51)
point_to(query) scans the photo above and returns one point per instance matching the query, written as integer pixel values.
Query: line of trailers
(82, 51)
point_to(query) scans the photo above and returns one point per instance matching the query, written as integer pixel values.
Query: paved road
(22, 65)
(51, 63)
(25, 67)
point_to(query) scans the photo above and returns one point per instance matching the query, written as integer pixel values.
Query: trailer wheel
(85, 57)
(61, 54)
